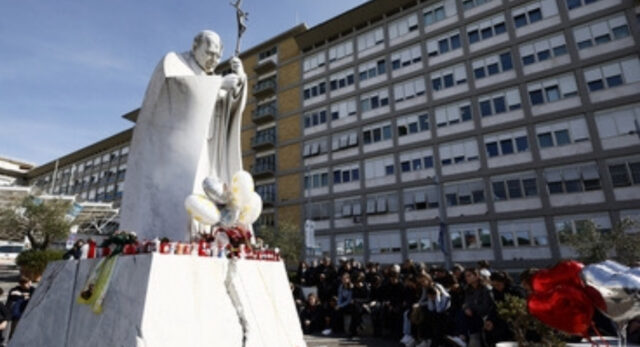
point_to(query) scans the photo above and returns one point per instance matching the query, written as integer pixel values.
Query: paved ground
(323, 341)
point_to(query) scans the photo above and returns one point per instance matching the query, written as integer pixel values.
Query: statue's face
(207, 53)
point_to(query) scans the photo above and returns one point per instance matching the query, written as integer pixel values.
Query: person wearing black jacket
(496, 329)
(17, 301)
(311, 316)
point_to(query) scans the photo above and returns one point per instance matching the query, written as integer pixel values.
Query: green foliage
(33, 262)
(287, 237)
(42, 221)
(514, 311)
(594, 246)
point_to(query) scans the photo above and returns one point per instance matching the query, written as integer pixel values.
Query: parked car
(9, 252)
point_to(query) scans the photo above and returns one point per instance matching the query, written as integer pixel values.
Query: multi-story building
(400, 126)
(504, 120)
(12, 171)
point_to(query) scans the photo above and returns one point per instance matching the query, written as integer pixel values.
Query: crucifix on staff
(241, 16)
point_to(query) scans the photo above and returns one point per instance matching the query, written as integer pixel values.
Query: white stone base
(163, 300)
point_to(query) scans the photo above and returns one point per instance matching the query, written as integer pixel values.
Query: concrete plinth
(163, 300)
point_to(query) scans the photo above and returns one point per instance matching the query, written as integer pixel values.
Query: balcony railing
(262, 141)
(263, 169)
(268, 198)
(264, 114)
(264, 88)
(265, 66)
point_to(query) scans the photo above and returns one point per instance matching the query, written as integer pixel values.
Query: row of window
(594, 33)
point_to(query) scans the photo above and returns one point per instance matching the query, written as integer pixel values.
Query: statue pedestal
(157, 300)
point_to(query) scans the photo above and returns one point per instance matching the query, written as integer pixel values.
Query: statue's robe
(188, 128)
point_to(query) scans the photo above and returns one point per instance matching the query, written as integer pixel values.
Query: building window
(340, 51)
(469, 4)
(510, 188)
(316, 180)
(343, 109)
(438, 12)
(626, 173)
(416, 160)
(448, 77)
(421, 240)
(313, 62)
(458, 152)
(370, 39)
(319, 210)
(552, 90)
(492, 65)
(382, 203)
(418, 199)
(314, 89)
(562, 133)
(346, 174)
(315, 118)
(268, 53)
(534, 12)
(464, 193)
(379, 167)
(613, 75)
(455, 113)
(572, 180)
(344, 140)
(347, 208)
(406, 57)
(403, 26)
(511, 142)
(412, 124)
(408, 90)
(601, 31)
(486, 29)
(573, 4)
(500, 102)
(267, 192)
(341, 80)
(314, 148)
(371, 69)
(619, 123)
(470, 238)
(376, 133)
(444, 44)
(544, 49)
(374, 100)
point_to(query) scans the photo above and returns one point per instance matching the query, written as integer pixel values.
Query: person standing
(5, 318)
(17, 301)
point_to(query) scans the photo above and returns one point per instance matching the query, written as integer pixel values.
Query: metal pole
(53, 179)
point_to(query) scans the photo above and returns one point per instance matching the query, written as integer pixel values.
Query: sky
(70, 69)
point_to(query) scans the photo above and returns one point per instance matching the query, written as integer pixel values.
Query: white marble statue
(188, 129)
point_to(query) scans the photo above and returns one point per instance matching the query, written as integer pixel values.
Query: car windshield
(10, 249)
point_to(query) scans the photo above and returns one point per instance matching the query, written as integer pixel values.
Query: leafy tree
(42, 221)
(287, 237)
(514, 311)
(594, 246)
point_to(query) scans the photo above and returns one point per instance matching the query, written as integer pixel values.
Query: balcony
(260, 170)
(263, 141)
(265, 65)
(264, 88)
(268, 199)
(264, 114)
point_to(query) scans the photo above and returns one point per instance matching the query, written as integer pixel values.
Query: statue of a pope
(188, 129)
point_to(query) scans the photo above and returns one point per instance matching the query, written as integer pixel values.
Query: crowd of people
(416, 304)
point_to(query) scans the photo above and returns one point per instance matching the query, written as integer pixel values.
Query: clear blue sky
(70, 69)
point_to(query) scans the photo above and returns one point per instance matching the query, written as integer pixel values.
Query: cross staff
(241, 16)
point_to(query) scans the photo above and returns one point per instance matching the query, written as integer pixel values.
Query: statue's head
(207, 50)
